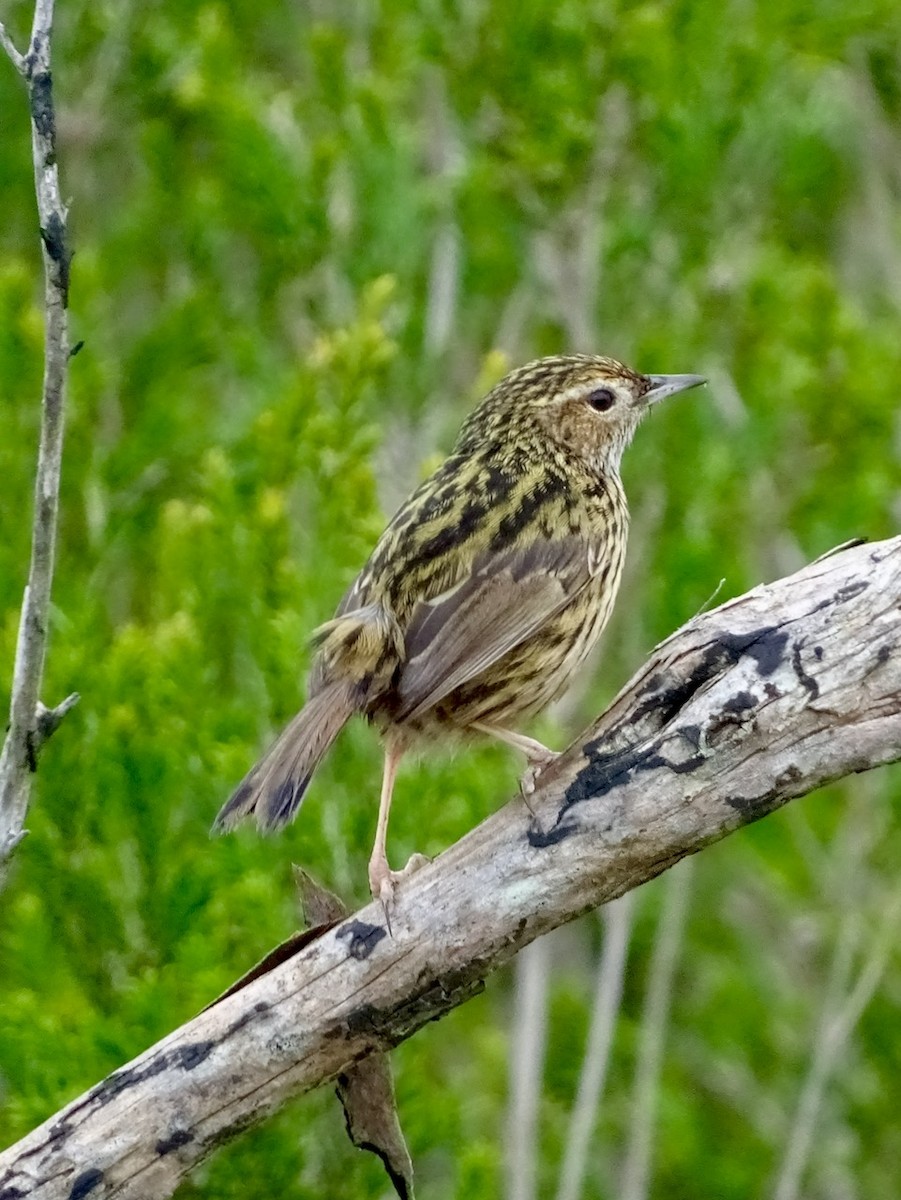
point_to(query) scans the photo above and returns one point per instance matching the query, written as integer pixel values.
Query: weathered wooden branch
(30, 724)
(761, 700)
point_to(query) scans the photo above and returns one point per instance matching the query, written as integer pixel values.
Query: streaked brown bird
(487, 590)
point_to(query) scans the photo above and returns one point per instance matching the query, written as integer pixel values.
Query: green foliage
(261, 204)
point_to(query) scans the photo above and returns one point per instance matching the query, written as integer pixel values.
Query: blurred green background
(308, 237)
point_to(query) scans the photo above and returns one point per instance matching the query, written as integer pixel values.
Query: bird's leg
(381, 878)
(538, 756)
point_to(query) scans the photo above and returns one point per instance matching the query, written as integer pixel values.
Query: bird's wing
(502, 601)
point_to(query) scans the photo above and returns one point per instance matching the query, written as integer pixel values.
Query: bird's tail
(273, 789)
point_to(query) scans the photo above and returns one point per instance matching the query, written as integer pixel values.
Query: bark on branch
(761, 700)
(30, 724)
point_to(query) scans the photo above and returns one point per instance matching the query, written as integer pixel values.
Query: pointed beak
(668, 385)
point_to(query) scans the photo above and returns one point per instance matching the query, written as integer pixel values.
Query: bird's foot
(537, 755)
(383, 881)
(538, 759)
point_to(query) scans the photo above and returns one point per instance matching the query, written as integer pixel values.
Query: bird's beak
(667, 385)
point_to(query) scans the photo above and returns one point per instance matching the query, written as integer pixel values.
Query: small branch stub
(49, 720)
(9, 46)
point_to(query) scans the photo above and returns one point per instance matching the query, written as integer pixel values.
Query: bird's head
(587, 405)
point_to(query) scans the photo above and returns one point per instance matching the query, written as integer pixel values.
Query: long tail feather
(273, 790)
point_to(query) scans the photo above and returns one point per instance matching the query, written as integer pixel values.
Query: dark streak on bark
(53, 235)
(606, 770)
(178, 1137)
(754, 807)
(386, 1027)
(248, 1017)
(228, 1132)
(184, 1058)
(540, 839)
(33, 56)
(130, 1077)
(850, 591)
(41, 97)
(191, 1056)
(843, 594)
(85, 1183)
(807, 681)
(766, 645)
(362, 938)
(31, 751)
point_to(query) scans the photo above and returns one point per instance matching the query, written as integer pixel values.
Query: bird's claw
(529, 779)
(383, 881)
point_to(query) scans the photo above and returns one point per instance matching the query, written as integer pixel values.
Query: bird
(484, 594)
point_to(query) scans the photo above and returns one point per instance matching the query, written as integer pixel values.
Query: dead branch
(759, 701)
(30, 724)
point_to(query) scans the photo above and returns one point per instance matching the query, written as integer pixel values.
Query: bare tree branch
(748, 706)
(30, 726)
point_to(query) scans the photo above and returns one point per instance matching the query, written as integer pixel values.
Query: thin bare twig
(637, 1168)
(443, 159)
(608, 992)
(528, 1038)
(835, 1030)
(29, 723)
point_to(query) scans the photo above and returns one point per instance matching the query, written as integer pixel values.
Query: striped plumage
(486, 591)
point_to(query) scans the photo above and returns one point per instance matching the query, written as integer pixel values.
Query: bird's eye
(601, 399)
